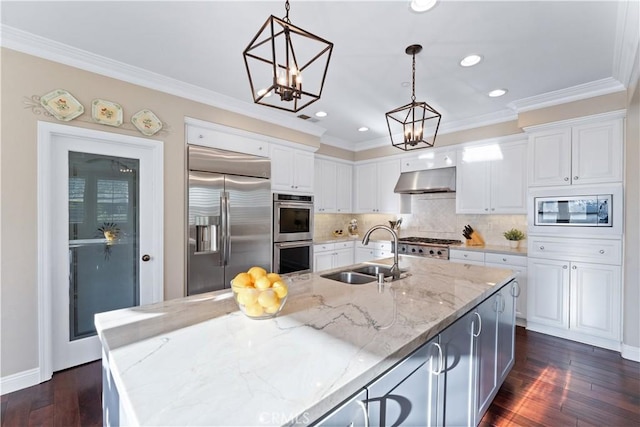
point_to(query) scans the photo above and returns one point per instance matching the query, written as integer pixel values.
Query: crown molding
(609, 115)
(337, 142)
(42, 47)
(570, 94)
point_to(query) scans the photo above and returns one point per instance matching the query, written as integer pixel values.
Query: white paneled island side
(199, 361)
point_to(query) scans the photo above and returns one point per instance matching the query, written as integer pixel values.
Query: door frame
(46, 133)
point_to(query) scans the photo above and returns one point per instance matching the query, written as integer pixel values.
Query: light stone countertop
(200, 361)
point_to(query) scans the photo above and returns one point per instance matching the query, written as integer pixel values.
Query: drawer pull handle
(601, 251)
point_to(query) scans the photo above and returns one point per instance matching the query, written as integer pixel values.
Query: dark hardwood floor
(554, 382)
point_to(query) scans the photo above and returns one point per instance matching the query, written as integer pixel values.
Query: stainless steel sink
(349, 277)
(374, 270)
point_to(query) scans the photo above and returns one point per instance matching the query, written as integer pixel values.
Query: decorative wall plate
(106, 112)
(62, 105)
(146, 122)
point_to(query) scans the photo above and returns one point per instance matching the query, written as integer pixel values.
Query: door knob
(145, 257)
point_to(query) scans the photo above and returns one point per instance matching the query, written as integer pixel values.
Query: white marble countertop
(200, 361)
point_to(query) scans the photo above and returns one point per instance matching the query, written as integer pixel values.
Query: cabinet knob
(542, 248)
(575, 178)
(564, 267)
(566, 178)
(504, 259)
(574, 268)
(145, 257)
(486, 209)
(465, 255)
(602, 251)
(493, 209)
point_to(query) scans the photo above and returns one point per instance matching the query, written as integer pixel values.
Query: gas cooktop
(426, 247)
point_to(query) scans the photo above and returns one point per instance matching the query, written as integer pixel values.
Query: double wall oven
(292, 233)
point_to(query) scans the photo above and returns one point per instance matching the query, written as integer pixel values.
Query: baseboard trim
(19, 381)
(631, 353)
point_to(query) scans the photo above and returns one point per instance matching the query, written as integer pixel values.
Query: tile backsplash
(432, 215)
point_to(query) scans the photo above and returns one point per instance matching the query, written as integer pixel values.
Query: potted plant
(514, 236)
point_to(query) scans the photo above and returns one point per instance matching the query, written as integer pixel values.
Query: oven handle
(305, 205)
(293, 244)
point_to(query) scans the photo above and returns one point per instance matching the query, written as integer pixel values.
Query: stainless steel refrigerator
(229, 211)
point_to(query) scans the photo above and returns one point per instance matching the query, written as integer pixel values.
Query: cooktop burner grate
(430, 240)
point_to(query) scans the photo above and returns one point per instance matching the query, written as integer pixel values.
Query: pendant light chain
(413, 76)
(287, 7)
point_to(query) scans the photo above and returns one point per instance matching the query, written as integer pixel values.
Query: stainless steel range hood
(427, 181)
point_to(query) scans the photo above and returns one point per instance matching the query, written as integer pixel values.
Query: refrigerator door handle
(223, 228)
(227, 227)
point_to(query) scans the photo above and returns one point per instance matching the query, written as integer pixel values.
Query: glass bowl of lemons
(259, 295)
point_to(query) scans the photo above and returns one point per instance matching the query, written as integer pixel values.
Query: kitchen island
(200, 361)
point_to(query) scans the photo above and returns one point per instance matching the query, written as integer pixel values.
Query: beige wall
(339, 153)
(631, 292)
(24, 76)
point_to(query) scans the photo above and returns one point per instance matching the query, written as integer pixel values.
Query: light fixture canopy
(278, 57)
(410, 125)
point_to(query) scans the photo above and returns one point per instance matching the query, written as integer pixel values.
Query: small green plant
(513, 234)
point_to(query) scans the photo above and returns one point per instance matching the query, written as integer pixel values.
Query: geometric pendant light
(286, 65)
(415, 125)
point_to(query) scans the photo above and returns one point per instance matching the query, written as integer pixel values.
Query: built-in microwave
(292, 217)
(576, 211)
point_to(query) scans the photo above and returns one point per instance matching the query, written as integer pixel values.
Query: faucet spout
(395, 269)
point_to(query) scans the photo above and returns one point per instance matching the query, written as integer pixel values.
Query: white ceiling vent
(308, 118)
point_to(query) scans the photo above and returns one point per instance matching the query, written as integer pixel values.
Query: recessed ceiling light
(321, 114)
(470, 60)
(497, 92)
(363, 129)
(405, 84)
(422, 5)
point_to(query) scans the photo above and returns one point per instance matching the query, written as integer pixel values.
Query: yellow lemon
(248, 296)
(242, 280)
(273, 277)
(262, 283)
(256, 272)
(280, 288)
(272, 309)
(254, 310)
(267, 298)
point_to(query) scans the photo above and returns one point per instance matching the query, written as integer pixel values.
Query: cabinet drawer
(466, 255)
(343, 245)
(590, 250)
(324, 247)
(508, 260)
(383, 246)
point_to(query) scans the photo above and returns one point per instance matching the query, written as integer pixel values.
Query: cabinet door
(595, 299)
(325, 186)
(506, 329)
(364, 254)
(455, 383)
(344, 187)
(322, 261)
(387, 177)
(352, 413)
(366, 197)
(281, 168)
(486, 344)
(403, 396)
(509, 180)
(343, 257)
(596, 153)
(302, 171)
(521, 277)
(550, 158)
(548, 292)
(472, 187)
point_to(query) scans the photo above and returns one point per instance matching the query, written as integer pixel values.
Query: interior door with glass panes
(101, 230)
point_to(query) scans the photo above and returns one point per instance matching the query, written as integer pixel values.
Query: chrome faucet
(395, 269)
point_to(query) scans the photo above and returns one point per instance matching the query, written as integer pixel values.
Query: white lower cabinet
(372, 251)
(332, 255)
(573, 298)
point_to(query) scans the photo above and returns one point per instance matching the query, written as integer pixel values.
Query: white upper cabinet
(333, 186)
(213, 135)
(374, 184)
(495, 185)
(586, 153)
(291, 169)
(431, 159)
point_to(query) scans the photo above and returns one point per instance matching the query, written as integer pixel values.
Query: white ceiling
(541, 51)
